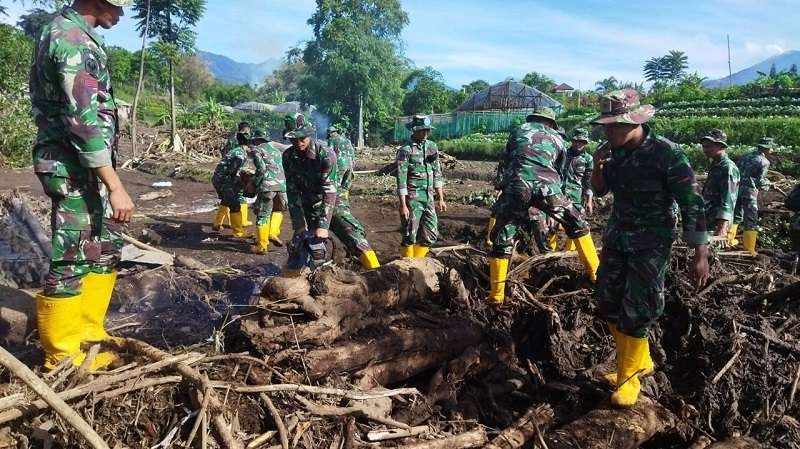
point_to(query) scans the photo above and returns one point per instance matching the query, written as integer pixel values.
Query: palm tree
(653, 69)
(607, 85)
(675, 64)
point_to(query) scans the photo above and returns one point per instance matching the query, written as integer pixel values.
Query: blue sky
(573, 41)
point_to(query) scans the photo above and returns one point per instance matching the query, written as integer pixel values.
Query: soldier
(227, 181)
(419, 176)
(577, 174)
(721, 187)
(533, 180)
(312, 182)
(753, 168)
(270, 184)
(74, 157)
(647, 175)
(345, 158)
(233, 139)
(242, 134)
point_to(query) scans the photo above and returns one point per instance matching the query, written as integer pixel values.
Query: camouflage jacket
(502, 165)
(229, 169)
(720, 190)
(73, 102)
(532, 160)
(646, 183)
(311, 184)
(231, 143)
(753, 168)
(345, 159)
(268, 161)
(577, 173)
(419, 170)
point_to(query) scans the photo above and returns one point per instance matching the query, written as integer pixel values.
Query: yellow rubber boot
(238, 227)
(587, 253)
(219, 219)
(243, 207)
(407, 251)
(498, 270)
(275, 222)
(732, 241)
(97, 290)
(489, 227)
(570, 246)
(630, 354)
(61, 332)
(420, 251)
(262, 240)
(553, 241)
(369, 260)
(647, 368)
(749, 241)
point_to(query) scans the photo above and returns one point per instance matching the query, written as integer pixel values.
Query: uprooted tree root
(411, 355)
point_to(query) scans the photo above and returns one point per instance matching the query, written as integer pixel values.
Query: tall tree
(283, 84)
(32, 22)
(355, 52)
(194, 77)
(607, 85)
(171, 22)
(654, 70)
(426, 92)
(675, 64)
(539, 81)
(142, 8)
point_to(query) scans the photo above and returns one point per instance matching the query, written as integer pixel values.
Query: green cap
(293, 121)
(419, 123)
(581, 134)
(304, 130)
(717, 136)
(332, 129)
(623, 106)
(121, 3)
(545, 113)
(767, 143)
(259, 134)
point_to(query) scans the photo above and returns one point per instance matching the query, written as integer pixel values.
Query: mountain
(782, 61)
(229, 71)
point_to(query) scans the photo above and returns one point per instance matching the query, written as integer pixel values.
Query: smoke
(321, 122)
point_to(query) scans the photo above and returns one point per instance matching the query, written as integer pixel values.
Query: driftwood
(535, 420)
(613, 428)
(19, 369)
(475, 438)
(737, 443)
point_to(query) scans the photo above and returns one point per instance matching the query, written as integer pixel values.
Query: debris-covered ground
(409, 355)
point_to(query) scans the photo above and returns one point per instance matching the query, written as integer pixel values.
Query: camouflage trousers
(513, 212)
(746, 211)
(266, 203)
(85, 239)
(229, 195)
(344, 226)
(422, 226)
(536, 228)
(630, 287)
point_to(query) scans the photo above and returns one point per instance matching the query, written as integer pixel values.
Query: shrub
(741, 131)
(16, 124)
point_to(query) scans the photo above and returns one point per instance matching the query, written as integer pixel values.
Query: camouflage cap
(259, 134)
(419, 123)
(767, 143)
(581, 134)
(304, 130)
(332, 129)
(562, 132)
(545, 113)
(623, 106)
(293, 121)
(717, 136)
(121, 3)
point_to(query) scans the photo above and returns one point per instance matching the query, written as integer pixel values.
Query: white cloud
(764, 49)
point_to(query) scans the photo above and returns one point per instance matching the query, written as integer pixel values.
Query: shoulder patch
(90, 63)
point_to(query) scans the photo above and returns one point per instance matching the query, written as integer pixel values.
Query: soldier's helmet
(717, 136)
(623, 106)
(581, 134)
(293, 121)
(767, 143)
(302, 130)
(259, 135)
(544, 113)
(332, 130)
(419, 123)
(120, 3)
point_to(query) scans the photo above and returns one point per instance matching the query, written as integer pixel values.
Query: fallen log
(474, 438)
(737, 443)
(613, 428)
(535, 420)
(401, 368)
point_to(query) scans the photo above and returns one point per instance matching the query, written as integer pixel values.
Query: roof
(508, 95)
(563, 87)
(253, 106)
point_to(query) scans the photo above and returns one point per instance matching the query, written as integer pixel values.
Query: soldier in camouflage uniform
(533, 180)
(647, 175)
(74, 157)
(315, 202)
(237, 139)
(227, 181)
(345, 158)
(419, 177)
(577, 174)
(721, 187)
(270, 185)
(233, 139)
(753, 168)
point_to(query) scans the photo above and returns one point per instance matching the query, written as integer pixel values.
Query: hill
(782, 61)
(229, 71)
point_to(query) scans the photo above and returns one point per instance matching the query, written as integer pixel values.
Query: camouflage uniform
(533, 180)
(419, 174)
(720, 191)
(646, 183)
(76, 114)
(312, 182)
(577, 173)
(270, 182)
(753, 168)
(345, 159)
(227, 177)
